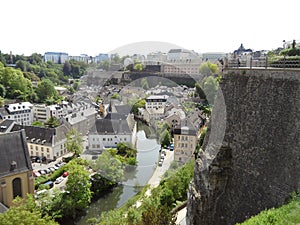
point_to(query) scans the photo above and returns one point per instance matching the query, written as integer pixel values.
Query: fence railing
(264, 62)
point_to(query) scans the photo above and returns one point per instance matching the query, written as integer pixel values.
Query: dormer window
(13, 165)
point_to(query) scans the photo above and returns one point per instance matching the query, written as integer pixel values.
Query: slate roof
(116, 116)
(124, 109)
(42, 133)
(14, 151)
(186, 127)
(3, 208)
(106, 126)
(6, 125)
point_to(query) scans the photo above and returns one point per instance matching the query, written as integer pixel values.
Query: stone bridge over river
(255, 164)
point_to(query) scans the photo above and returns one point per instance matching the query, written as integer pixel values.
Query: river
(147, 155)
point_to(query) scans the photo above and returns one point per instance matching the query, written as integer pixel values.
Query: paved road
(160, 170)
(157, 175)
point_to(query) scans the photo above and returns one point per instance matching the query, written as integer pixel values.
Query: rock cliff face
(256, 164)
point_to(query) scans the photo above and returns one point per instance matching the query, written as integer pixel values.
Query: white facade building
(21, 112)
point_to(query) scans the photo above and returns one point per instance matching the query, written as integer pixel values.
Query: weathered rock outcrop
(257, 164)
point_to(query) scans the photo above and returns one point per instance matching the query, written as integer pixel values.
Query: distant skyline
(92, 27)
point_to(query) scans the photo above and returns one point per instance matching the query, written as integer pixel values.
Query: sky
(102, 26)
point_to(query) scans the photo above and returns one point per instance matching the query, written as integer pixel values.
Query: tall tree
(208, 68)
(25, 212)
(210, 87)
(46, 90)
(108, 166)
(74, 142)
(67, 68)
(78, 194)
(52, 122)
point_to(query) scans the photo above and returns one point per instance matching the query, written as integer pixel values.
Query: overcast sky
(100, 26)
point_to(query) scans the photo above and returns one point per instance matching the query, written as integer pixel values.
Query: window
(17, 187)
(36, 147)
(47, 150)
(125, 139)
(42, 149)
(31, 152)
(31, 147)
(48, 156)
(104, 139)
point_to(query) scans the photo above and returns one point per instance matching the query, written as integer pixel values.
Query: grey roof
(186, 127)
(6, 125)
(106, 126)
(3, 208)
(43, 133)
(124, 109)
(116, 116)
(14, 154)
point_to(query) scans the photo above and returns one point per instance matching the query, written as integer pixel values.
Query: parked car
(55, 167)
(48, 171)
(52, 169)
(36, 174)
(171, 147)
(40, 193)
(49, 183)
(59, 180)
(42, 172)
(160, 163)
(65, 174)
(58, 165)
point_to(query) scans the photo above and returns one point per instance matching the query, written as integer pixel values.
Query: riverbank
(157, 175)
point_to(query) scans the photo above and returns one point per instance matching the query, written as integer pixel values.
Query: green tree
(210, 87)
(108, 166)
(165, 137)
(199, 91)
(46, 90)
(35, 59)
(52, 122)
(104, 65)
(23, 65)
(158, 216)
(138, 67)
(67, 68)
(37, 124)
(116, 96)
(78, 195)
(208, 68)
(116, 58)
(136, 105)
(1, 101)
(25, 212)
(2, 91)
(144, 83)
(100, 185)
(74, 142)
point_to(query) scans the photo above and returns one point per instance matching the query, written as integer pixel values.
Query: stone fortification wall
(256, 165)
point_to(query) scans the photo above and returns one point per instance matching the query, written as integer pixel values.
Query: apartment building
(185, 141)
(21, 112)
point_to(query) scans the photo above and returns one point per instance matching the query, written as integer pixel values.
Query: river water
(147, 155)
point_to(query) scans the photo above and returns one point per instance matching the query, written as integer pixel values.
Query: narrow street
(157, 175)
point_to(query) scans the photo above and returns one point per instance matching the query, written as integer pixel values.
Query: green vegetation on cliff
(286, 214)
